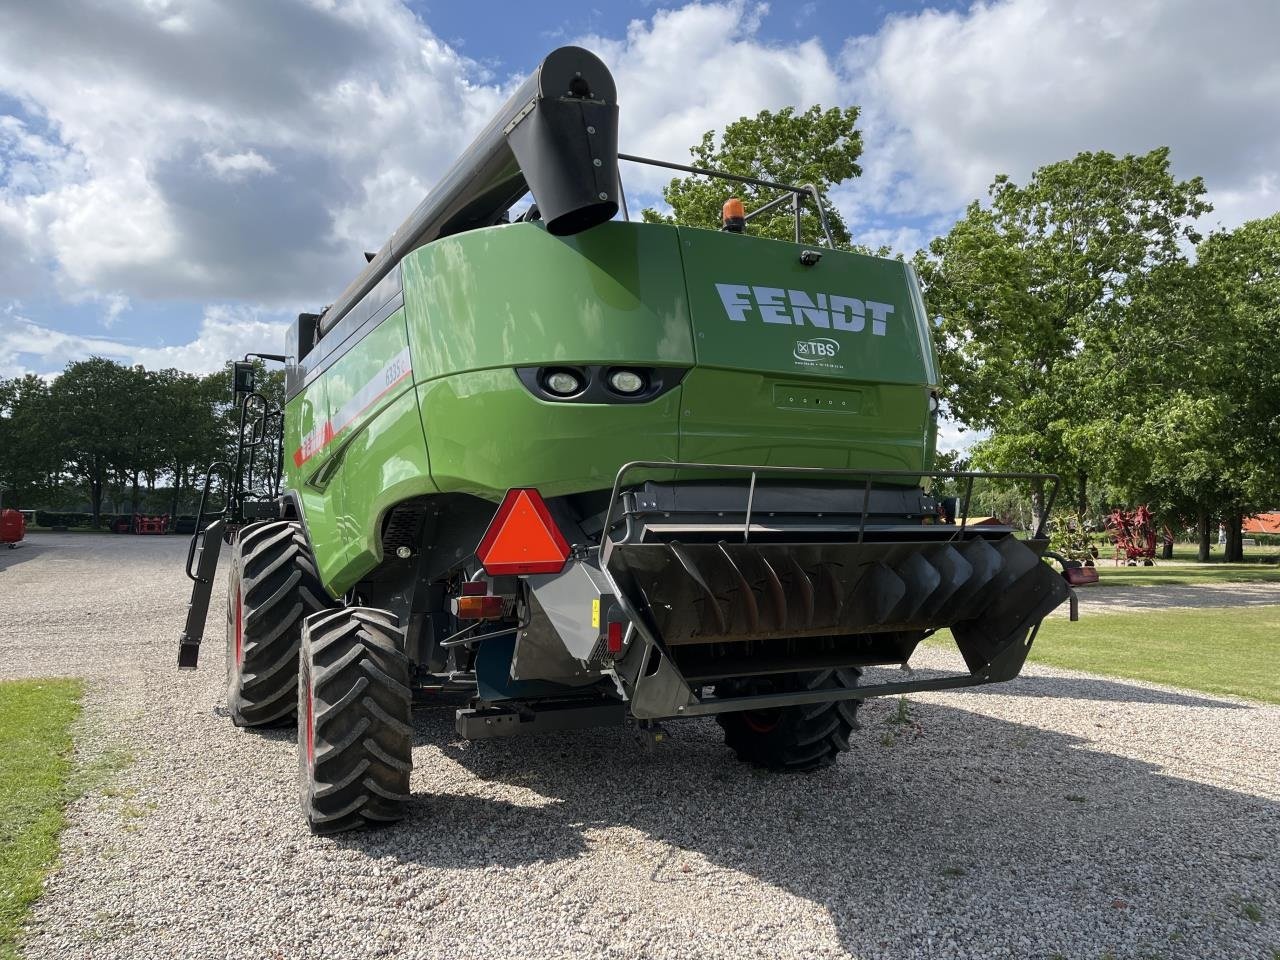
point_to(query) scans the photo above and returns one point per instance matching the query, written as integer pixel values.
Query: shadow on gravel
(1068, 688)
(1107, 691)
(481, 832)
(21, 552)
(950, 828)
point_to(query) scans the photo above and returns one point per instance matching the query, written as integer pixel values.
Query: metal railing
(791, 192)
(868, 478)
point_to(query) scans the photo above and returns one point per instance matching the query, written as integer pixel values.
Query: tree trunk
(1037, 505)
(1082, 493)
(1202, 536)
(133, 500)
(1234, 552)
(95, 501)
(177, 486)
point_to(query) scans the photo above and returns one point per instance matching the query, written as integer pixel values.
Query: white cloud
(954, 437)
(186, 155)
(114, 305)
(235, 167)
(225, 333)
(695, 69)
(1009, 86)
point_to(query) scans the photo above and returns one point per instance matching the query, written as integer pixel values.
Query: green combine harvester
(585, 471)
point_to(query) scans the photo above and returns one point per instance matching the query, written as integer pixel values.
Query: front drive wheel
(791, 738)
(355, 738)
(273, 585)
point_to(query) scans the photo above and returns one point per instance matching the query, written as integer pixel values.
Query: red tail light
(613, 640)
(522, 537)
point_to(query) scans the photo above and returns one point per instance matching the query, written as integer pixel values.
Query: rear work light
(522, 537)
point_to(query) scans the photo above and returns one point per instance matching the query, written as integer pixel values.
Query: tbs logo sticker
(816, 351)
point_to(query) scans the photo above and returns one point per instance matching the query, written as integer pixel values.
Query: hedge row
(112, 521)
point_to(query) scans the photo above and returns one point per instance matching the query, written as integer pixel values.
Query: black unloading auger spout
(557, 138)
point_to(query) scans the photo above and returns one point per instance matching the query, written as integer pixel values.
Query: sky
(179, 178)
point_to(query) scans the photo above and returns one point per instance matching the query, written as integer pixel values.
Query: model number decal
(365, 397)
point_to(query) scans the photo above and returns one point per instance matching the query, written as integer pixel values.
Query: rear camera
(563, 383)
(626, 381)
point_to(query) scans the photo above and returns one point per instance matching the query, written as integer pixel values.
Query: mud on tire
(791, 738)
(355, 737)
(273, 586)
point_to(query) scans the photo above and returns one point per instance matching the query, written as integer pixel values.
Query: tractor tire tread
(361, 721)
(803, 738)
(274, 576)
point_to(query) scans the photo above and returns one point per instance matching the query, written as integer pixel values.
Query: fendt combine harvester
(587, 471)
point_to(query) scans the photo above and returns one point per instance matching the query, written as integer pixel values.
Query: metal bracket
(198, 606)
(485, 723)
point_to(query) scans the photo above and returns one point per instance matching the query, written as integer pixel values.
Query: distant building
(1267, 523)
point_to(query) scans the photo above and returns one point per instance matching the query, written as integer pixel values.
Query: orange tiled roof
(1263, 523)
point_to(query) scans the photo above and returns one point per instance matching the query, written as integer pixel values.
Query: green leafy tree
(29, 460)
(1199, 387)
(1034, 292)
(816, 146)
(91, 402)
(1239, 274)
(139, 454)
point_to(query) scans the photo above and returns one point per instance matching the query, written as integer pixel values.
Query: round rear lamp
(626, 381)
(563, 383)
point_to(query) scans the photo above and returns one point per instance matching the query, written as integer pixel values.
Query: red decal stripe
(322, 435)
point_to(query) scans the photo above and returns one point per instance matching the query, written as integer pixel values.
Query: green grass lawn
(1233, 650)
(1262, 553)
(35, 766)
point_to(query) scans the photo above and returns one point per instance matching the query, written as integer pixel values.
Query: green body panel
(515, 295)
(786, 364)
(732, 416)
(373, 457)
(803, 365)
(487, 433)
(756, 307)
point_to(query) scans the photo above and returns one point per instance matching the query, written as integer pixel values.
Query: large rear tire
(355, 735)
(273, 586)
(791, 738)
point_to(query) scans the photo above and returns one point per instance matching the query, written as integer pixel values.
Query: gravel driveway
(1062, 814)
(1099, 599)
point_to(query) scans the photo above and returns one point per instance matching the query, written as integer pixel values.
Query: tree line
(1084, 327)
(102, 430)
